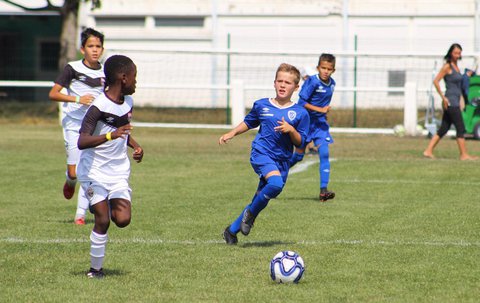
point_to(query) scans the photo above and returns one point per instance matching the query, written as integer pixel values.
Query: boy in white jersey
(104, 167)
(83, 80)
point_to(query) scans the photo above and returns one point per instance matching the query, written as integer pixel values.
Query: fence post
(410, 114)
(238, 102)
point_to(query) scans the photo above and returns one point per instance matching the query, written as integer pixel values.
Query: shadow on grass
(265, 243)
(108, 273)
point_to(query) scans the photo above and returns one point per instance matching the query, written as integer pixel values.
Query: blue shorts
(319, 134)
(263, 165)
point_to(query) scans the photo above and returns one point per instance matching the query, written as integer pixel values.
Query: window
(120, 21)
(179, 21)
(396, 78)
(49, 53)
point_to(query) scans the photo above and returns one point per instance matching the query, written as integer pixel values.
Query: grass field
(401, 229)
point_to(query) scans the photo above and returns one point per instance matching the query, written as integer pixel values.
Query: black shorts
(452, 115)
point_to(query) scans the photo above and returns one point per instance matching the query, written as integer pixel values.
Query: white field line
(302, 166)
(460, 243)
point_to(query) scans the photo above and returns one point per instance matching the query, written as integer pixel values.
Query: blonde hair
(288, 68)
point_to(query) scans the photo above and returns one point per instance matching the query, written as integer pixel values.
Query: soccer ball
(399, 130)
(287, 267)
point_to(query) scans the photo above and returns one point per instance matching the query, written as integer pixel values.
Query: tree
(69, 13)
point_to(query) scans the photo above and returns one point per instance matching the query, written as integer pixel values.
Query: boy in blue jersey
(283, 125)
(315, 96)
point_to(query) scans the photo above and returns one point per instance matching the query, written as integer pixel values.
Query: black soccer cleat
(230, 239)
(95, 274)
(326, 195)
(247, 222)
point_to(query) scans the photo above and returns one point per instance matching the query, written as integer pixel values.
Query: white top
(107, 162)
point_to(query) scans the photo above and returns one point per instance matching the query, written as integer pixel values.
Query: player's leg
(97, 197)
(120, 203)
(82, 206)
(71, 148)
(273, 187)
(121, 211)
(324, 168)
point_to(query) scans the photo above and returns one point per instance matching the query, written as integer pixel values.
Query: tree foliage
(68, 35)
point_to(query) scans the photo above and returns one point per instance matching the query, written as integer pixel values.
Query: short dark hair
(448, 56)
(115, 65)
(327, 57)
(88, 32)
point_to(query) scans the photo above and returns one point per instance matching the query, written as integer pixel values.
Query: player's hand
(284, 127)
(138, 154)
(445, 103)
(225, 138)
(122, 131)
(87, 99)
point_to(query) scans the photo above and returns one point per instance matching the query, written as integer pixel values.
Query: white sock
(97, 249)
(82, 204)
(70, 182)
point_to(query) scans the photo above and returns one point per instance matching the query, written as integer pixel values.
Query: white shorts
(71, 128)
(71, 146)
(97, 192)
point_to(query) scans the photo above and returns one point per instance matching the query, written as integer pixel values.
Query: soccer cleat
(230, 239)
(247, 222)
(95, 274)
(79, 221)
(326, 195)
(68, 191)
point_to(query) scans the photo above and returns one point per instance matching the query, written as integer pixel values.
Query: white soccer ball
(399, 130)
(287, 267)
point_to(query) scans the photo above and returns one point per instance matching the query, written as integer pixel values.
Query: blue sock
(296, 157)
(235, 226)
(268, 191)
(271, 190)
(323, 154)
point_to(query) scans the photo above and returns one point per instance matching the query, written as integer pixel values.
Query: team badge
(292, 115)
(89, 192)
(129, 116)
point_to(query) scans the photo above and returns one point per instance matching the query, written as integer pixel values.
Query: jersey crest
(292, 115)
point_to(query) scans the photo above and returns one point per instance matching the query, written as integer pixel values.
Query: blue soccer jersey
(274, 144)
(317, 93)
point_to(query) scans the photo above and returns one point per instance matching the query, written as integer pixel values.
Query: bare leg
(463, 150)
(429, 151)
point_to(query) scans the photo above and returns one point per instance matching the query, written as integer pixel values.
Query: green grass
(401, 229)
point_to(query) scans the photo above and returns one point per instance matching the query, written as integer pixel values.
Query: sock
(271, 190)
(266, 190)
(82, 204)
(296, 157)
(70, 182)
(323, 154)
(235, 226)
(97, 249)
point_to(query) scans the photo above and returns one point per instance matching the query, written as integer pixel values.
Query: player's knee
(122, 221)
(274, 186)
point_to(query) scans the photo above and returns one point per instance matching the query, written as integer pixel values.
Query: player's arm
(436, 82)
(319, 109)
(62, 81)
(286, 128)
(137, 149)
(88, 140)
(240, 129)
